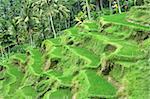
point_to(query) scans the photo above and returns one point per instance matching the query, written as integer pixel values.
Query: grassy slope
(132, 77)
(72, 80)
(121, 19)
(87, 55)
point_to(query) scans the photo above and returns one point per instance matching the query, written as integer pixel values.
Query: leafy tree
(51, 8)
(87, 6)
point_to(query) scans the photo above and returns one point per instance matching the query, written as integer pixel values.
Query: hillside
(108, 58)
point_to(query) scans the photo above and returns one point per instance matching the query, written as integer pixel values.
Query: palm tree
(88, 9)
(134, 2)
(27, 19)
(6, 36)
(2, 51)
(15, 29)
(97, 5)
(101, 5)
(119, 8)
(110, 7)
(80, 17)
(52, 8)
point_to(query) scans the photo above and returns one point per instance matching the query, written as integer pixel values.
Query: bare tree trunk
(101, 5)
(110, 1)
(8, 51)
(42, 32)
(49, 25)
(134, 2)
(29, 31)
(2, 52)
(79, 5)
(119, 8)
(31, 41)
(52, 25)
(97, 5)
(66, 25)
(88, 10)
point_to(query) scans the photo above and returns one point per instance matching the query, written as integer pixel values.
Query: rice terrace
(74, 49)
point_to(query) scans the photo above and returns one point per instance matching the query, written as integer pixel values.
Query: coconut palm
(110, 7)
(101, 5)
(51, 8)
(119, 8)
(27, 18)
(87, 7)
(97, 5)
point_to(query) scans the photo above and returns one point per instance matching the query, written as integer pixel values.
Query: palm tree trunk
(42, 24)
(31, 41)
(29, 31)
(78, 5)
(110, 1)
(52, 25)
(49, 25)
(88, 10)
(66, 25)
(17, 39)
(119, 8)
(8, 52)
(97, 5)
(69, 20)
(43, 34)
(101, 5)
(134, 2)
(2, 53)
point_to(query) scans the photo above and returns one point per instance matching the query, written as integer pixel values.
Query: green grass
(121, 20)
(57, 52)
(56, 41)
(76, 72)
(20, 56)
(17, 74)
(99, 86)
(53, 73)
(126, 49)
(87, 55)
(37, 61)
(60, 94)
(66, 80)
(129, 50)
(119, 31)
(91, 26)
(29, 91)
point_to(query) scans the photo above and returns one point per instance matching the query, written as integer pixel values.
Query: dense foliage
(74, 49)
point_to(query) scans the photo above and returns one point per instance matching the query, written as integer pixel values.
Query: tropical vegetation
(74, 49)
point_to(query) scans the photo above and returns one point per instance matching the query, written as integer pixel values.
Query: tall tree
(110, 6)
(134, 2)
(119, 8)
(88, 9)
(101, 5)
(97, 5)
(52, 8)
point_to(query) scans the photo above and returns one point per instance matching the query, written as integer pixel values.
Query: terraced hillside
(140, 15)
(106, 59)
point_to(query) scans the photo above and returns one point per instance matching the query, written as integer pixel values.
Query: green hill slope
(108, 58)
